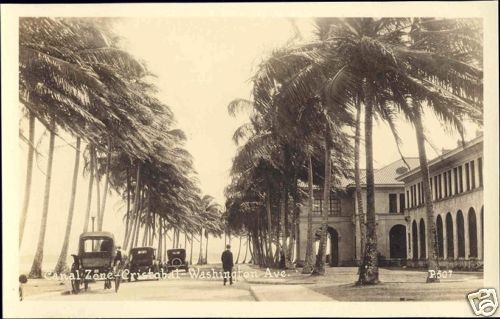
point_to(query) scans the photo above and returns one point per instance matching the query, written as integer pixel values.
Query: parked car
(176, 260)
(95, 261)
(142, 260)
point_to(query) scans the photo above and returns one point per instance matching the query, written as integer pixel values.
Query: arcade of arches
(459, 236)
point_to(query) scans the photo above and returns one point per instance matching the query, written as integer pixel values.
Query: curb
(263, 282)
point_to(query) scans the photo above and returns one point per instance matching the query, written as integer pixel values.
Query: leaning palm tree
(36, 268)
(61, 262)
(29, 175)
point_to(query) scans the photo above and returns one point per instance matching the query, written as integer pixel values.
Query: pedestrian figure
(227, 264)
(118, 258)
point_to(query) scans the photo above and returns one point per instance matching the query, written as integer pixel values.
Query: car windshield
(142, 254)
(97, 245)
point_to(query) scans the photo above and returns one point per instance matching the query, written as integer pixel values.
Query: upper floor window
(472, 175)
(455, 179)
(460, 180)
(393, 203)
(401, 202)
(467, 176)
(317, 206)
(436, 188)
(440, 193)
(445, 180)
(480, 170)
(449, 183)
(334, 207)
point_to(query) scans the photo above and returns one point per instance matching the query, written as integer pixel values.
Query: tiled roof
(383, 176)
(387, 174)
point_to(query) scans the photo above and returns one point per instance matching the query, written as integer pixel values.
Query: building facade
(456, 179)
(344, 245)
(457, 188)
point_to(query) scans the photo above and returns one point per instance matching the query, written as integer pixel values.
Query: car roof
(142, 248)
(97, 234)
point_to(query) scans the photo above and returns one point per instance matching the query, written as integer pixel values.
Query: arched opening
(472, 233)
(423, 252)
(397, 241)
(414, 240)
(334, 247)
(449, 236)
(439, 230)
(460, 234)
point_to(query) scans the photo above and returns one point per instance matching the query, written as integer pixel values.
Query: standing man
(227, 264)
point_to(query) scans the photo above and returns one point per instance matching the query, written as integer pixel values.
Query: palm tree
(61, 265)
(357, 179)
(29, 174)
(36, 268)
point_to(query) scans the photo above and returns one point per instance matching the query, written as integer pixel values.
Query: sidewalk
(286, 293)
(271, 276)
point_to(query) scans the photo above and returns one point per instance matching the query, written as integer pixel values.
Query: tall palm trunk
(98, 189)
(134, 230)
(89, 194)
(178, 238)
(239, 250)
(127, 230)
(185, 240)
(247, 247)
(429, 207)
(146, 230)
(309, 260)
(29, 175)
(61, 262)
(283, 217)
(136, 200)
(160, 239)
(368, 271)
(36, 268)
(200, 256)
(191, 251)
(319, 268)
(357, 180)
(206, 249)
(269, 227)
(100, 219)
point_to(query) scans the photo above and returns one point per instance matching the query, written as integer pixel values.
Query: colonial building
(344, 246)
(456, 178)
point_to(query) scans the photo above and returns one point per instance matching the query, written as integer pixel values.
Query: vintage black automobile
(95, 261)
(176, 260)
(142, 260)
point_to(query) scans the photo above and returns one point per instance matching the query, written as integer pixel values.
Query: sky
(201, 64)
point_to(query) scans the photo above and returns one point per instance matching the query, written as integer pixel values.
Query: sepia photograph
(200, 160)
